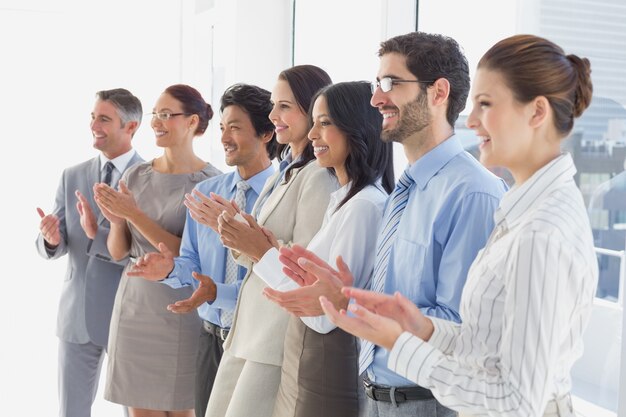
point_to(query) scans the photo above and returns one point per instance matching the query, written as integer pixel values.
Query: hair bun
(209, 111)
(584, 87)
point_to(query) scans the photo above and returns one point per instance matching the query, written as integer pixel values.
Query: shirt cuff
(270, 270)
(172, 280)
(413, 359)
(320, 324)
(225, 296)
(445, 334)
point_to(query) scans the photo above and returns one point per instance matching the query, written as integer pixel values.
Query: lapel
(96, 178)
(277, 194)
(92, 178)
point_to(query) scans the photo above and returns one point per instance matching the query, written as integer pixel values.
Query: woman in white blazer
(292, 206)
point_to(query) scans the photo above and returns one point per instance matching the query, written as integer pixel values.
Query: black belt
(401, 394)
(215, 329)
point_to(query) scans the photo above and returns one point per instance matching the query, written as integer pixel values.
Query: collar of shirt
(120, 162)
(282, 165)
(337, 196)
(431, 163)
(520, 200)
(256, 182)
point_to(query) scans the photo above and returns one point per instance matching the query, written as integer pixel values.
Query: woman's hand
(378, 329)
(117, 204)
(249, 239)
(395, 307)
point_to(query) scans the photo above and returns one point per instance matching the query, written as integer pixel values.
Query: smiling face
(330, 144)
(404, 108)
(110, 136)
(175, 130)
(500, 122)
(243, 148)
(290, 121)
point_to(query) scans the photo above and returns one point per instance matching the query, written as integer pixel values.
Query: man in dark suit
(77, 228)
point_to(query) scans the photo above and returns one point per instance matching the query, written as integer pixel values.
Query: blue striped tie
(399, 199)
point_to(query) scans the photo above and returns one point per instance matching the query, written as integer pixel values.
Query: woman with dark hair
(530, 291)
(320, 366)
(292, 206)
(152, 353)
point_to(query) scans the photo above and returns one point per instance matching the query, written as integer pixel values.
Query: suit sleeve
(59, 210)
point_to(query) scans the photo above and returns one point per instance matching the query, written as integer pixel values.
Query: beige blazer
(293, 212)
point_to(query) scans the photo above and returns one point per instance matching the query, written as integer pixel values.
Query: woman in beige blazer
(292, 207)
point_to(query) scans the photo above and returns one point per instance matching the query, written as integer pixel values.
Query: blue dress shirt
(447, 220)
(202, 251)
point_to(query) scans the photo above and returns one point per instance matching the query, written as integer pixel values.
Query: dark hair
(304, 81)
(255, 101)
(192, 103)
(369, 158)
(534, 66)
(430, 57)
(128, 106)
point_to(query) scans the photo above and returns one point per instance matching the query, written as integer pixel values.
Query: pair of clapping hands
(238, 231)
(379, 318)
(116, 206)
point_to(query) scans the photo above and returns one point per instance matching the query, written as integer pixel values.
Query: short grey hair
(128, 106)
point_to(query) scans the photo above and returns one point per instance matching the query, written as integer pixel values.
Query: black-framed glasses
(163, 115)
(386, 84)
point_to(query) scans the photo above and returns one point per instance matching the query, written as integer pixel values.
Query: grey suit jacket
(294, 212)
(91, 278)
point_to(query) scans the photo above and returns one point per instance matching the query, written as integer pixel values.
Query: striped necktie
(108, 172)
(230, 276)
(399, 200)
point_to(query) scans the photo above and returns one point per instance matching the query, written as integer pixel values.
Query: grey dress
(152, 352)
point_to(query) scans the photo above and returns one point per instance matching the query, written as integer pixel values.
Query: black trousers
(210, 350)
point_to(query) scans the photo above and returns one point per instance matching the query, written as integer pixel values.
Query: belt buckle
(370, 391)
(223, 333)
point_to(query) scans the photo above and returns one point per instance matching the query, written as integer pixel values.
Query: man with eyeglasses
(77, 228)
(436, 220)
(249, 144)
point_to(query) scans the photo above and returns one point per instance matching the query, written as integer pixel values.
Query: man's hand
(206, 292)
(154, 266)
(88, 220)
(205, 210)
(49, 228)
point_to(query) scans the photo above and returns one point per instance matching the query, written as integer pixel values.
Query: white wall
(55, 56)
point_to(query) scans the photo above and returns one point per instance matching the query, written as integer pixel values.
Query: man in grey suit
(77, 228)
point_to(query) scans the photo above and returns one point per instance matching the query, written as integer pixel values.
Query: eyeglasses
(386, 84)
(165, 115)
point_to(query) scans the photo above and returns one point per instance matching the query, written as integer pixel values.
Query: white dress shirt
(527, 300)
(350, 232)
(119, 163)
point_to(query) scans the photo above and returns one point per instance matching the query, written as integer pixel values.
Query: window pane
(594, 30)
